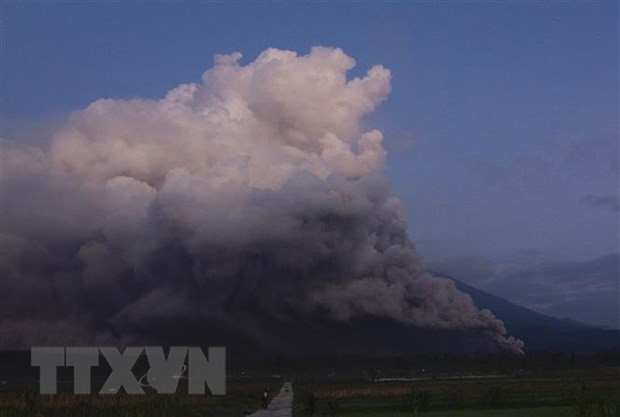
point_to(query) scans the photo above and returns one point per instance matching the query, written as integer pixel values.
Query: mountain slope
(540, 331)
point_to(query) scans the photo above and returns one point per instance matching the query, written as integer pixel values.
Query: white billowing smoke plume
(254, 190)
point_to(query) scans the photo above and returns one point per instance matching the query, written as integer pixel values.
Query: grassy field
(513, 412)
(540, 385)
(579, 396)
(243, 396)
(516, 396)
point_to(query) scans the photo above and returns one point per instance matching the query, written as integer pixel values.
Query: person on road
(266, 398)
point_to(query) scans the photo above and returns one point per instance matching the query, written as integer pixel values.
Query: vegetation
(542, 384)
(243, 396)
(577, 396)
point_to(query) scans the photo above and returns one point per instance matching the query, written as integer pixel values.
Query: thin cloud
(552, 158)
(605, 202)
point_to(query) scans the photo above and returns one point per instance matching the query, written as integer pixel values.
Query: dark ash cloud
(255, 193)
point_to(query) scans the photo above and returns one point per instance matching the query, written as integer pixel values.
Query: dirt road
(281, 405)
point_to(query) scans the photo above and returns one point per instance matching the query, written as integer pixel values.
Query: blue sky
(502, 126)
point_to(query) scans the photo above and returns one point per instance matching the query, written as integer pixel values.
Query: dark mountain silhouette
(251, 329)
(540, 331)
(257, 331)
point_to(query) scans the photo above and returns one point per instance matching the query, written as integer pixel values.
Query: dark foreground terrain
(577, 395)
(538, 384)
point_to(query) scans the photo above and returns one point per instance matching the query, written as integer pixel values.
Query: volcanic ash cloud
(254, 190)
